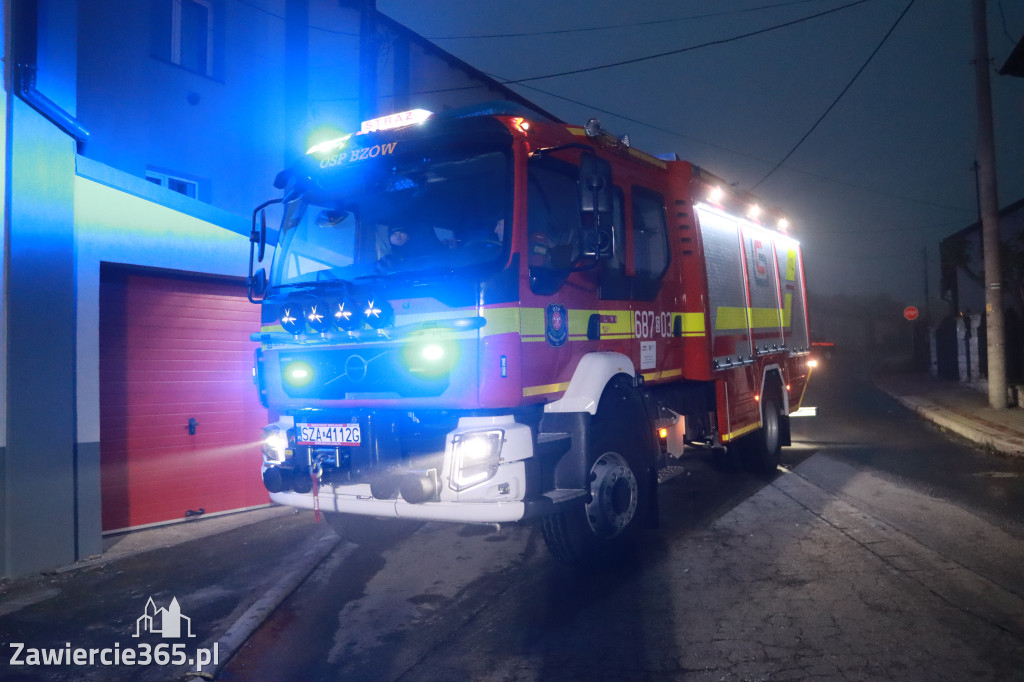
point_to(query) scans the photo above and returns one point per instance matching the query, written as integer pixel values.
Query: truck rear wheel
(763, 451)
(610, 516)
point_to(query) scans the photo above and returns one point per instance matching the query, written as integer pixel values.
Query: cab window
(553, 216)
(650, 242)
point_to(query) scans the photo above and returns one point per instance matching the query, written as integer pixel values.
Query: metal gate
(179, 417)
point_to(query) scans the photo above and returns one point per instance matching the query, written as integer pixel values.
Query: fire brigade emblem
(556, 326)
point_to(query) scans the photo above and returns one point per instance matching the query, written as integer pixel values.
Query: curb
(962, 425)
(243, 628)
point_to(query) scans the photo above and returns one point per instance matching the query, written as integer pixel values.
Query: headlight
(476, 456)
(346, 315)
(378, 313)
(292, 318)
(275, 443)
(318, 316)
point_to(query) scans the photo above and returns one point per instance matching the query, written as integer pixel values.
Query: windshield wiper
(310, 285)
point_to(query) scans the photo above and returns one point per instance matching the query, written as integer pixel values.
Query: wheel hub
(613, 501)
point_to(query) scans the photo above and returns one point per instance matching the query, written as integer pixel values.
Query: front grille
(336, 374)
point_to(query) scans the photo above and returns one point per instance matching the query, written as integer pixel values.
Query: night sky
(874, 187)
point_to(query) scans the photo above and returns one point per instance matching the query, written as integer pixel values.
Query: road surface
(883, 549)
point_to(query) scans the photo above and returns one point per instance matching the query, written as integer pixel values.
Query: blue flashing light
(298, 373)
(326, 141)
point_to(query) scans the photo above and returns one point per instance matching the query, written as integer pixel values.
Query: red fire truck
(479, 317)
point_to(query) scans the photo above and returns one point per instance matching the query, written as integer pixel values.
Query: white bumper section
(496, 499)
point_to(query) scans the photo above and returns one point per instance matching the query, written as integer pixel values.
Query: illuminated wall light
(663, 433)
(783, 224)
(716, 195)
(754, 212)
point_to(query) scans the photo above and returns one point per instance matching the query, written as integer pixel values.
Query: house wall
(282, 70)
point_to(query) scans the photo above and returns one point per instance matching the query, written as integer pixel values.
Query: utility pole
(989, 208)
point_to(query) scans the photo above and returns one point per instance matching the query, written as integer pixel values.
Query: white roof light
(399, 120)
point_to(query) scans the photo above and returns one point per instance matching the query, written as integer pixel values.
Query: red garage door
(174, 349)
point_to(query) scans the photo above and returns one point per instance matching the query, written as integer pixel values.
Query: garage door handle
(192, 424)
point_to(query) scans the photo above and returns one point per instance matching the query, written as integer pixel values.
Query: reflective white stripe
(464, 512)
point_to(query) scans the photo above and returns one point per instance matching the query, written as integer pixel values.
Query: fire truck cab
(478, 317)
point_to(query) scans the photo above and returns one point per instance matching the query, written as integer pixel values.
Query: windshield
(400, 215)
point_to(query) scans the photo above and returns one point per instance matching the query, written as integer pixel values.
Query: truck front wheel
(611, 515)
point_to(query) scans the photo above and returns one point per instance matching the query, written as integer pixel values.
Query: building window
(192, 35)
(189, 188)
(186, 32)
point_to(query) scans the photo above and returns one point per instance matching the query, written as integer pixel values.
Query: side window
(650, 239)
(553, 216)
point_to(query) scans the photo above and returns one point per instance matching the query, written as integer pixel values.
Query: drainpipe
(25, 20)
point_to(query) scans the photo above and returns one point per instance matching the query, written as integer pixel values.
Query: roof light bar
(389, 122)
(399, 120)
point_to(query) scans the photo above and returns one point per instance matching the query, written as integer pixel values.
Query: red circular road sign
(911, 313)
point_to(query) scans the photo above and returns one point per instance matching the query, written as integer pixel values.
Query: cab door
(651, 301)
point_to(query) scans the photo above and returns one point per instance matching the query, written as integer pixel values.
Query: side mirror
(595, 185)
(257, 286)
(259, 236)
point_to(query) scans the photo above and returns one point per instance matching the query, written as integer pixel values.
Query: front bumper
(356, 499)
(478, 480)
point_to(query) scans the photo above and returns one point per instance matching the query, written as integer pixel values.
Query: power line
(744, 154)
(840, 96)
(607, 27)
(682, 50)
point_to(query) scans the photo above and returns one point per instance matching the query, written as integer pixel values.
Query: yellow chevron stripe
(740, 432)
(544, 389)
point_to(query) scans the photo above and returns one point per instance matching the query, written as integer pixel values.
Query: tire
(608, 520)
(763, 451)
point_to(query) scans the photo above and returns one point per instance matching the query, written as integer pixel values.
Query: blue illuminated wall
(224, 130)
(41, 464)
(278, 70)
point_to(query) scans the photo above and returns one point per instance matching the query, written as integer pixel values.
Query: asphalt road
(883, 549)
